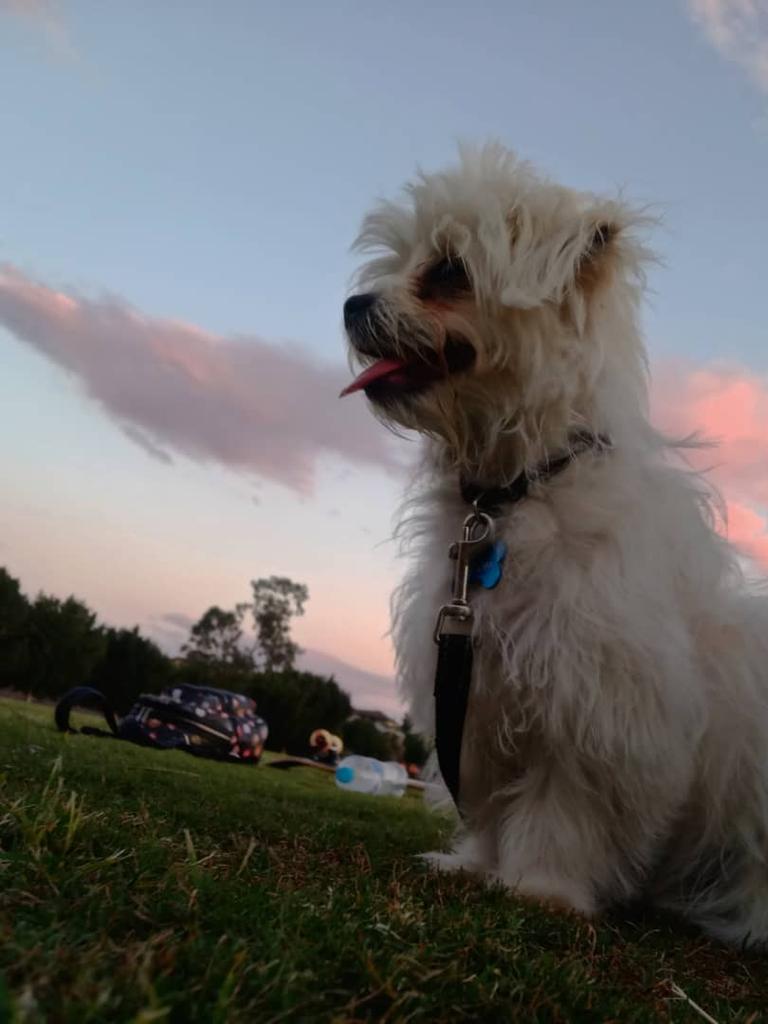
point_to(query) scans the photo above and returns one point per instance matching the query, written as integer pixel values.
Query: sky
(179, 187)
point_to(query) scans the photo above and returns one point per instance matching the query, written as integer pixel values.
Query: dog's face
(473, 318)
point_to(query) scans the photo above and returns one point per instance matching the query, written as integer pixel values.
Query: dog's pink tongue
(382, 368)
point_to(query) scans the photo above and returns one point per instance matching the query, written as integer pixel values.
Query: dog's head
(479, 316)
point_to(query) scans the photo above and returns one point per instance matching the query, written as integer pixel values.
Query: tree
(275, 601)
(131, 664)
(14, 645)
(64, 645)
(215, 639)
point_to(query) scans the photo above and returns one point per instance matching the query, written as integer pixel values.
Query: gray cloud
(139, 438)
(243, 402)
(178, 620)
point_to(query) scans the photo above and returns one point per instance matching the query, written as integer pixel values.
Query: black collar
(492, 499)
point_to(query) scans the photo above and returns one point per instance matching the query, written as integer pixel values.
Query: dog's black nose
(356, 305)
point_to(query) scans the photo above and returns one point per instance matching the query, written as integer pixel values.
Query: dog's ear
(596, 263)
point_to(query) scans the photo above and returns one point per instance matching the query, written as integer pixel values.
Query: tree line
(49, 645)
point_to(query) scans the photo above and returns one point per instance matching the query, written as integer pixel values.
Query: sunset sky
(180, 183)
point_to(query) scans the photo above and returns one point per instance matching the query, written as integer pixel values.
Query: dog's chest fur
(559, 663)
(517, 605)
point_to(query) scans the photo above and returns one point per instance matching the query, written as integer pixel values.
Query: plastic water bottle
(367, 775)
(394, 779)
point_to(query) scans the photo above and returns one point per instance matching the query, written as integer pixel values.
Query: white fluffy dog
(616, 739)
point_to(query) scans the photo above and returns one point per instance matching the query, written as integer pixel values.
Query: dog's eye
(445, 278)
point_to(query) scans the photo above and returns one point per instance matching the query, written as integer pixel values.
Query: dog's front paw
(449, 862)
(556, 892)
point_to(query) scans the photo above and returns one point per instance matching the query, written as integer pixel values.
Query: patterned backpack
(198, 719)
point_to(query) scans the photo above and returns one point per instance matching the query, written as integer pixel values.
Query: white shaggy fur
(616, 742)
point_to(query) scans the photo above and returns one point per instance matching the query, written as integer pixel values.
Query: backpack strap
(85, 696)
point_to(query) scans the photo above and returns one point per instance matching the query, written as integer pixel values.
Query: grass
(143, 886)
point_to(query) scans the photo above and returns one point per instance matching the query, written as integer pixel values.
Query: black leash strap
(452, 681)
(453, 636)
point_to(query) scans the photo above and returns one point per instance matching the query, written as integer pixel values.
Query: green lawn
(142, 886)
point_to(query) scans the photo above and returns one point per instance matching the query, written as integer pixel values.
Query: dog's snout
(356, 305)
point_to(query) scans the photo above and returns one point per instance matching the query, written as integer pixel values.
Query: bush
(416, 749)
(14, 639)
(65, 645)
(131, 665)
(294, 704)
(196, 672)
(362, 737)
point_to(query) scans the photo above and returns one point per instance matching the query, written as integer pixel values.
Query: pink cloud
(738, 29)
(272, 410)
(47, 15)
(728, 405)
(243, 402)
(747, 529)
(38, 9)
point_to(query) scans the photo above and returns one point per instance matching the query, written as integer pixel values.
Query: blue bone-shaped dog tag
(486, 567)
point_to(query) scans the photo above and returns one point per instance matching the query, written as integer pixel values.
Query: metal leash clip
(455, 618)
